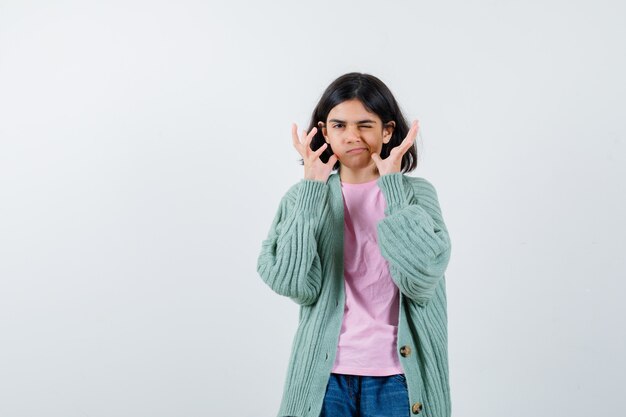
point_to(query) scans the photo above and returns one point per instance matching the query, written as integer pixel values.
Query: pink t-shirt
(367, 342)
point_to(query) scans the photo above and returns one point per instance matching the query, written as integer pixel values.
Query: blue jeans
(366, 396)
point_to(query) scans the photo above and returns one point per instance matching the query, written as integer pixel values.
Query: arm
(413, 237)
(289, 262)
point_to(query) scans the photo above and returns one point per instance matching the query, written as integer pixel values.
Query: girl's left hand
(393, 163)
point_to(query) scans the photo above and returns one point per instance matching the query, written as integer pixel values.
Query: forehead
(352, 111)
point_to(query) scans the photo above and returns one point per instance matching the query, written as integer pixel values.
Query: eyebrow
(359, 122)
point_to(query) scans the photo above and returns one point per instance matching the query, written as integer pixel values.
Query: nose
(352, 133)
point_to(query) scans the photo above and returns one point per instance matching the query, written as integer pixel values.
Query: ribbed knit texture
(302, 258)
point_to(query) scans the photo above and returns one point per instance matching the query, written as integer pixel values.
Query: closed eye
(337, 125)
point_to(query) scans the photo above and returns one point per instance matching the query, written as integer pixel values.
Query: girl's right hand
(314, 168)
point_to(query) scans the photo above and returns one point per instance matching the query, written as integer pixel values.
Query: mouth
(357, 150)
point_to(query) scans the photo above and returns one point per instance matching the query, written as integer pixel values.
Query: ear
(322, 126)
(388, 131)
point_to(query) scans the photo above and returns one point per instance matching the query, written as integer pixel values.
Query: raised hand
(314, 168)
(393, 163)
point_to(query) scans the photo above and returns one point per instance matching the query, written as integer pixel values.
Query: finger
(401, 149)
(296, 141)
(332, 160)
(294, 134)
(417, 128)
(407, 142)
(376, 158)
(319, 150)
(303, 139)
(413, 131)
(310, 136)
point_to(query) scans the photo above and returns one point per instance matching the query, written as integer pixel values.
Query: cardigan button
(417, 407)
(405, 351)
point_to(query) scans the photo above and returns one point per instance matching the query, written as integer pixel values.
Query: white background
(145, 145)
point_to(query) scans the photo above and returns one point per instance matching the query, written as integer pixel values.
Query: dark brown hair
(376, 98)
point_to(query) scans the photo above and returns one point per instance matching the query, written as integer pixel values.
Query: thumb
(376, 158)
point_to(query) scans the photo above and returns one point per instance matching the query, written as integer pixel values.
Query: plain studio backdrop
(144, 148)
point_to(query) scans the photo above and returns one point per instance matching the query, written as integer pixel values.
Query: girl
(363, 251)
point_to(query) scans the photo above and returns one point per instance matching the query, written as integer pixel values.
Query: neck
(358, 176)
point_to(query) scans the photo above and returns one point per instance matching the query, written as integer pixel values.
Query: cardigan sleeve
(413, 237)
(289, 262)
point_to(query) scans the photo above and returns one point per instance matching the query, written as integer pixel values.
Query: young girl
(363, 251)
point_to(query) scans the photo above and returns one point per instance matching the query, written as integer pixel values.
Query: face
(354, 133)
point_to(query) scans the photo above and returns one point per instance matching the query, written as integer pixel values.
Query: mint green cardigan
(302, 258)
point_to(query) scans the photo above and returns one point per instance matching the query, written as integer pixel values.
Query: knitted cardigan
(302, 258)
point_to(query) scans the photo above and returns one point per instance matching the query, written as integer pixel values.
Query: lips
(356, 150)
